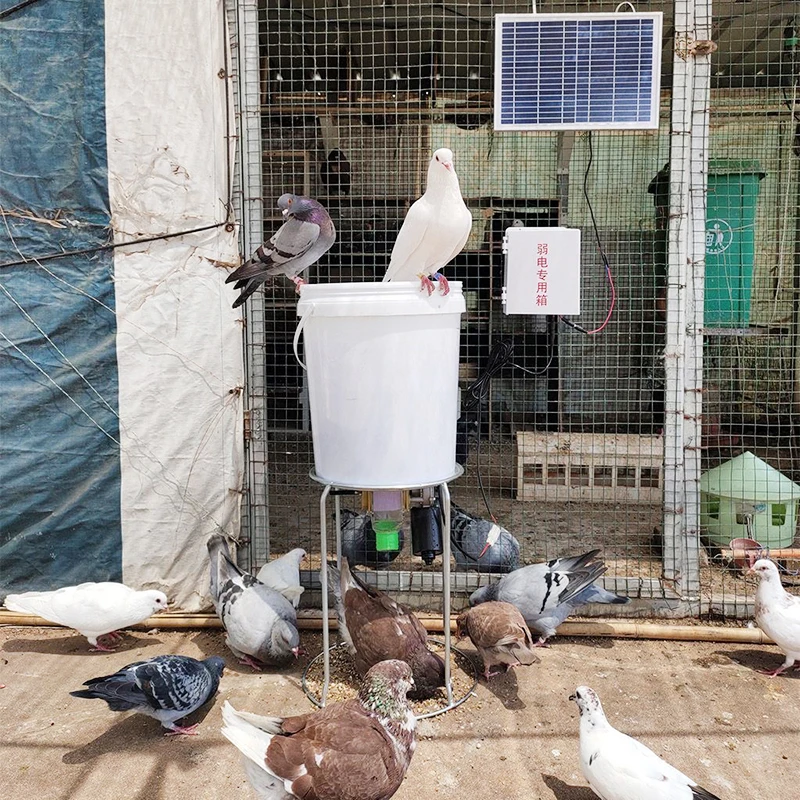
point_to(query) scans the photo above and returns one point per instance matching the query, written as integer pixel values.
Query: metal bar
(444, 494)
(323, 580)
(337, 504)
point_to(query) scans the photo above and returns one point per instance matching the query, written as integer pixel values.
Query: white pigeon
(618, 767)
(93, 609)
(777, 614)
(435, 229)
(283, 575)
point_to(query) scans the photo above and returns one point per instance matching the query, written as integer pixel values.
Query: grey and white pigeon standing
(358, 749)
(481, 545)
(618, 767)
(546, 594)
(777, 614)
(499, 634)
(376, 628)
(260, 623)
(359, 541)
(301, 241)
(435, 229)
(167, 688)
(283, 575)
(95, 610)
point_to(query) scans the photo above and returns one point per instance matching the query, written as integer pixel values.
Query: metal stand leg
(323, 580)
(337, 505)
(444, 493)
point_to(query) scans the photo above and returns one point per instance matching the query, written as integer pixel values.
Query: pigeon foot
(541, 642)
(177, 730)
(101, 648)
(444, 285)
(298, 282)
(427, 283)
(249, 662)
(772, 673)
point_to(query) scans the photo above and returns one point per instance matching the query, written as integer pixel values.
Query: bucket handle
(296, 340)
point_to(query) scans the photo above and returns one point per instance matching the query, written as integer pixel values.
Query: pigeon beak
(285, 212)
(299, 651)
(573, 698)
(447, 165)
(485, 548)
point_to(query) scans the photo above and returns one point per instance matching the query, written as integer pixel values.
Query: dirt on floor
(701, 706)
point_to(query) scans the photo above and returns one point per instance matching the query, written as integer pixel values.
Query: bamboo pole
(615, 629)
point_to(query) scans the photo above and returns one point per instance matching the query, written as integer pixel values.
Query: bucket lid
(361, 299)
(747, 477)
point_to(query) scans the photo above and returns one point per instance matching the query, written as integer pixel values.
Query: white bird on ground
(283, 575)
(435, 229)
(95, 610)
(618, 767)
(777, 614)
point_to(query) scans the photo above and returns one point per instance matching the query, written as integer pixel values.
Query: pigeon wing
(411, 234)
(173, 683)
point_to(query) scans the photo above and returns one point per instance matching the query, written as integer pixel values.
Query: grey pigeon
(96, 610)
(375, 628)
(500, 635)
(618, 767)
(260, 623)
(283, 575)
(481, 545)
(168, 688)
(546, 594)
(435, 229)
(301, 241)
(358, 749)
(777, 613)
(359, 542)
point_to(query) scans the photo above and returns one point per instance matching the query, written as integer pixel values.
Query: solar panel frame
(566, 88)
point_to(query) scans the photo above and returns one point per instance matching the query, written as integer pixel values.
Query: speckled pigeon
(95, 610)
(357, 749)
(500, 635)
(359, 542)
(283, 575)
(618, 767)
(168, 688)
(375, 628)
(435, 229)
(260, 623)
(301, 241)
(481, 545)
(546, 594)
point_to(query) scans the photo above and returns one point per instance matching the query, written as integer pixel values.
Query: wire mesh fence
(574, 436)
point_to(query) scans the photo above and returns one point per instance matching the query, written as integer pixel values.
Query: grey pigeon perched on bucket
(95, 610)
(167, 688)
(301, 241)
(283, 575)
(618, 767)
(375, 628)
(546, 594)
(358, 749)
(777, 613)
(499, 634)
(260, 623)
(435, 229)
(360, 543)
(481, 545)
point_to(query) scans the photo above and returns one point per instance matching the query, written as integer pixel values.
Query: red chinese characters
(542, 268)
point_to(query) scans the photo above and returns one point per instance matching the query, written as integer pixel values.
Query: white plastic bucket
(382, 361)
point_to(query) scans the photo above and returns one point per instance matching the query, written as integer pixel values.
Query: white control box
(542, 274)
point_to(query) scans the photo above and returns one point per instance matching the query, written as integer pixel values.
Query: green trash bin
(730, 238)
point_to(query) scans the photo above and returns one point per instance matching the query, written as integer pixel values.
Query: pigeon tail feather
(596, 594)
(699, 793)
(249, 739)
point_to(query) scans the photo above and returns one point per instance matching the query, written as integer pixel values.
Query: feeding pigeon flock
(301, 241)
(167, 688)
(260, 623)
(500, 635)
(358, 749)
(359, 541)
(376, 628)
(435, 229)
(283, 575)
(777, 614)
(546, 594)
(481, 545)
(618, 767)
(96, 610)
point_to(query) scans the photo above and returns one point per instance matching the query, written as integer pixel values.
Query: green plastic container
(730, 241)
(387, 536)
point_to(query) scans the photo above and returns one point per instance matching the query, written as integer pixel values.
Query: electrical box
(542, 271)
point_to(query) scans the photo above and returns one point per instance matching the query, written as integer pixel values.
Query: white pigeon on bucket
(618, 767)
(777, 613)
(95, 610)
(283, 575)
(435, 229)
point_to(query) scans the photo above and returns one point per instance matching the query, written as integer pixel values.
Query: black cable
(18, 7)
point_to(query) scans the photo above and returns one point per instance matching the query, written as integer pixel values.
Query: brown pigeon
(500, 634)
(376, 628)
(359, 748)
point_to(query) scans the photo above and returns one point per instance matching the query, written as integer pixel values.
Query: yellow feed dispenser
(746, 497)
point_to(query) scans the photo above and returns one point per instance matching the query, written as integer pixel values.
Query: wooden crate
(599, 468)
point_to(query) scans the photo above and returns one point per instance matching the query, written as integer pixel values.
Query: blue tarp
(59, 457)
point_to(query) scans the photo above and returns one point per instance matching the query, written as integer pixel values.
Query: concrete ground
(701, 706)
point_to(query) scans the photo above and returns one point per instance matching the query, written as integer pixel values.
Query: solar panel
(577, 71)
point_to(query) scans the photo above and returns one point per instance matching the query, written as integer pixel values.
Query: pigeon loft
(616, 468)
